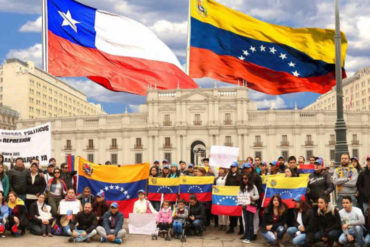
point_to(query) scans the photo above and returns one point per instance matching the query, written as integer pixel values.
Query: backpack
(56, 229)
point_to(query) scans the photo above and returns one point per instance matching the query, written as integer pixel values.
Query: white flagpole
(44, 36)
(188, 40)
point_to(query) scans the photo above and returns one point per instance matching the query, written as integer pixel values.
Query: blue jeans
(270, 235)
(248, 224)
(296, 239)
(177, 226)
(367, 240)
(80, 238)
(197, 225)
(356, 232)
(339, 201)
(67, 230)
(333, 235)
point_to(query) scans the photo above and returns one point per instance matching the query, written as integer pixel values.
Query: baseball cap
(166, 167)
(100, 194)
(247, 165)
(141, 191)
(193, 197)
(319, 161)
(191, 165)
(156, 162)
(174, 164)
(114, 205)
(50, 164)
(234, 164)
(281, 157)
(34, 164)
(165, 161)
(354, 158)
(368, 158)
(299, 198)
(263, 163)
(273, 163)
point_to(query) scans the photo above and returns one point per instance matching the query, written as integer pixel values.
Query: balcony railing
(90, 147)
(68, 147)
(309, 143)
(227, 122)
(113, 147)
(167, 146)
(228, 144)
(284, 143)
(138, 146)
(167, 123)
(197, 122)
(355, 142)
(332, 142)
(257, 144)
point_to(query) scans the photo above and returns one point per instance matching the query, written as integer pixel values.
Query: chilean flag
(114, 51)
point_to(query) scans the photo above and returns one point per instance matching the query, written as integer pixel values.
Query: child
(45, 217)
(164, 217)
(181, 214)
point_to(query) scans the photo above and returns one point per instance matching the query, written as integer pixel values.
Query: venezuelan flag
(306, 169)
(200, 186)
(167, 186)
(224, 201)
(72, 162)
(119, 183)
(287, 188)
(229, 46)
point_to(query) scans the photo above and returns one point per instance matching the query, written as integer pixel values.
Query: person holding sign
(69, 207)
(143, 206)
(111, 230)
(83, 225)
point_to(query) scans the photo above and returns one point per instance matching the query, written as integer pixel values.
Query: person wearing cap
(182, 169)
(356, 164)
(190, 170)
(233, 178)
(363, 186)
(35, 185)
(111, 230)
(18, 179)
(264, 170)
(281, 164)
(274, 169)
(319, 183)
(166, 171)
(99, 207)
(303, 229)
(49, 172)
(165, 162)
(86, 196)
(53, 161)
(174, 173)
(143, 206)
(197, 215)
(83, 226)
(345, 178)
(157, 164)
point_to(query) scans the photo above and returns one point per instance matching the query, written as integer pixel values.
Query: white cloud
(134, 108)
(277, 103)
(33, 53)
(32, 26)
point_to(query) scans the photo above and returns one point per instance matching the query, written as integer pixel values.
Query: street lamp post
(340, 126)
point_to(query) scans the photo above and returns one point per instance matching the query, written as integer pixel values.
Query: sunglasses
(245, 178)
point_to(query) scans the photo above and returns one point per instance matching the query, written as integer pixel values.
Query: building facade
(34, 93)
(356, 94)
(184, 124)
(8, 118)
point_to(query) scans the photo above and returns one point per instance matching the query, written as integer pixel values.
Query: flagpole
(188, 40)
(44, 36)
(340, 125)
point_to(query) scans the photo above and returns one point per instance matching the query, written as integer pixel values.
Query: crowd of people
(31, 198)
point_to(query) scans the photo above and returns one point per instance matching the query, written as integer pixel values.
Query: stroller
(162, 231)
(185, 226)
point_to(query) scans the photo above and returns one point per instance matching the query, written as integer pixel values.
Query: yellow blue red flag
(118, 183)
(225, 202)
(230, 46)
(200, 186)
(169, 187)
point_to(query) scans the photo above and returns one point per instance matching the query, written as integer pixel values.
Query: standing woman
(153, 174)
(221, 181)
(274, 220)
(247, 197)
(2, 163)
(328, 221)
(35, 185)
(56, 190)
(233, 178)
(4, 181)
(17, 215)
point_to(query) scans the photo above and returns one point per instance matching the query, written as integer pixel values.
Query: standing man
(67, 175)
(281, 162)
(292, 162)
(363, 186)
(257, 164)
(49, 172)
(209, 170)
(156, 164)
(182, 167)
(345, 178)
(274, 169)
(18, 178)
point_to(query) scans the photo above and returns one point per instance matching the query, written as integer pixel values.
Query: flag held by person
(117, 52)
(230, 46)
(224, 201)
(201, 186)
(119, 183)
(166, 187)
(306, 168)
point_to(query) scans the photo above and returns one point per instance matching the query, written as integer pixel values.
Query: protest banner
(27, 144)
(222, 156)
(144, 224)
(66, 206)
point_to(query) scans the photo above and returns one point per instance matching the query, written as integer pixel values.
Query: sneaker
(118, 241)
(71, 240)
(246, 241)
(50, 235)
(103, 240)
(88, 240)
(231, 230)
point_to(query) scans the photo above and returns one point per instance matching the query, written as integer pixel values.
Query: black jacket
(83, 221)
(18, 180)
(90, 198)
(319, 184)
(363, 184)
(308, 220)
(68, 178)
(37, 187)
(233, 179)
(330, 220)
(197, 211)
(34, 213)
(267, 219)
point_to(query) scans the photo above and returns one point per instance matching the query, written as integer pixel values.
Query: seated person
(143, 206)
(86, 196)
(100, 206)
(112, 226)
(46, 218)
(4, 212)
(65, 220)
(353, 222)
(83, 225)
(196, 215)
(179, 218)
(164, 217)
(17, 219)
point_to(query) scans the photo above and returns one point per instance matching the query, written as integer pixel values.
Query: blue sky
(20, 37)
